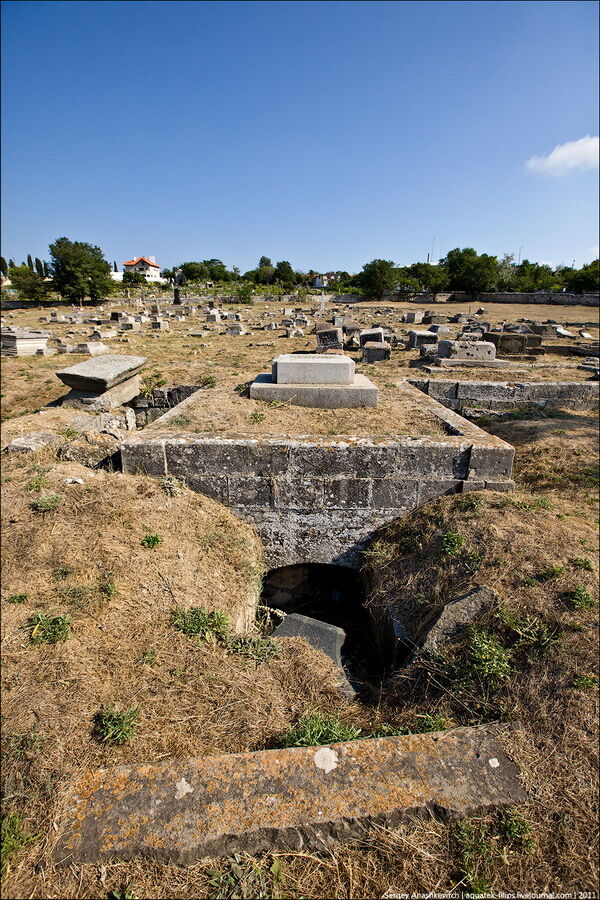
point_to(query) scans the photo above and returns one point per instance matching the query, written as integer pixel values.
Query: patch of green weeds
(472, 561)
(256, 647)
(69, 432)
(210, 625)
(245, 876)
(580, 563)
(151, 541)
(580, 598)
(208, 381)
(148, 658)
(47, 503)
(585, 682)
(243, 389)
(475, 848)
(46, 628)
(452, 541)
(114, 727)
(517, 831)
(37, 484)
(17, 598)
(470, 502)
(62, 572)
(531, 632)
(313, 729)
(487, 659)
(541, 577)
(123, 893)
(151, 381)
(180, 421)
(13, 839)
(257, 417)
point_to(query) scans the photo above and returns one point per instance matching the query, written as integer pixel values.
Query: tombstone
(508, 342)
(103, 382)
(371, 334)
(294, 332)
(25, 343)
(417, 338)
(376, 351)
(236, 329)
(468, 353)
(338, 321)
(330, 338)
(176, 295)
(213, 316)
(319, 381)
(415, 317)
(161, 325)
(270, 326)
(93, 348)
(439, 329)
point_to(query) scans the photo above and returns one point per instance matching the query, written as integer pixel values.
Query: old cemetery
(299, 597)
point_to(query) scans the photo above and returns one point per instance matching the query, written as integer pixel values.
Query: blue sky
(325, 133)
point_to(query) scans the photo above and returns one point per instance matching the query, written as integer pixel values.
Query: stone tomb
(468, 353)
(102, 383)
(316, 380)
(417, 339)
(376, 351)
(25, 343)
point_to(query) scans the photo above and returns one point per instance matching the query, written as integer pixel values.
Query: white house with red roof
(144, 265)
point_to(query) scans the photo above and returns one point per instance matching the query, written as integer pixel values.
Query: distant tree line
(77, 270)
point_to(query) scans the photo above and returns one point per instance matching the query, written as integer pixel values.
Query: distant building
(144, 265)
(319, 281)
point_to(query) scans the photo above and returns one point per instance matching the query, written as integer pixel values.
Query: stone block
(388, 493)
(213, 486)
(32, 442)
(415, 317)
(188, 456)
(115, 396)
(362, 392)
(302, 797)
(247, 491)
(494, 461)
(295, 491)
(443, 390)
(417, 339)
(474, 350)
(456, 615)
(312, 368)
(346, 493)
(485, 390)
(98, 375)
(376, 351)
(330, 337)
(429, 489)
(145, 457)
(371, 335)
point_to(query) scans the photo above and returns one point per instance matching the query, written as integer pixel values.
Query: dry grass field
(114, 561)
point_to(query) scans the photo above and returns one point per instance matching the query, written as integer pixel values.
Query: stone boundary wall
(545, 298)
(148, 408)
(316, 500)
(502, 395)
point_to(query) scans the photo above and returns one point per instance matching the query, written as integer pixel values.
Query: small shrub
(150, 381)
(532, 633)
(171, 485)
(69, 432)
(517, 831)
(209, 625)
(257, 417)
(37, 483)
(114, 727)
(151, 540)
(487, 658)
(314, 729)
(580, 563)
(17, 598)
(585, 682)
(552, 572)
(48, 503)
(45, 628)
(207, 381)
(180, 421)
(452, 541)
(476, 855)
(580, 598)
(13, 839)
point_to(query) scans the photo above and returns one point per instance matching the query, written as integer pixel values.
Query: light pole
(519, 259)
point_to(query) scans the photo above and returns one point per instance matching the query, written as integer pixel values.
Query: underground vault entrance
(331, 594)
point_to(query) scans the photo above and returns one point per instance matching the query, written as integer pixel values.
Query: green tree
(11, 264)
(530, 276)
(30, 262)
(115, 266)
(79, 270)
(195, 271)
(265, 275)
(39, 267)
(46, 270)
(507, 272)
(284, 274)
(586, 279)
(378, 277)
(430, 278)
(3, 266)
(30, 285)
(468, 271)
(131, 278)
(264, 261)
(243, 294)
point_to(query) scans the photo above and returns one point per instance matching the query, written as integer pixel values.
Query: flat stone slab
(98, 375)
(362, 392)
(456, 615)
(303, 797)
(120, 393)
(329, 639)
(473, 363)
(312, 368)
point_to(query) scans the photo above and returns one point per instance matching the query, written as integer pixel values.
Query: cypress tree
(3, 266)
(29, 261)
(11, 264)
(115, 267)
(39, 267)
(46, 269)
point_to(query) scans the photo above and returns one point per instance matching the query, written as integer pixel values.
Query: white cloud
(573, 156)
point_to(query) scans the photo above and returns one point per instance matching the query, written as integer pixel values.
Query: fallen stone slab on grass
(301, 797)
(32, 442)
(329, 639)
(456, 615)
(98, 375)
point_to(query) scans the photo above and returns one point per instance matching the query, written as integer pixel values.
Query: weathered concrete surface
(313, 499)
(361, 392)
(312, 368)
(304, 797)
(117, 395)
(511, 395)
(98, 375)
